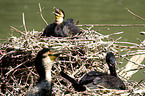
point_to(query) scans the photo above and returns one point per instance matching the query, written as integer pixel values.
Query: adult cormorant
(95, 78)
(61, 28)
(43, 63)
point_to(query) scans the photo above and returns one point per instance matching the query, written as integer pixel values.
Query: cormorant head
(59, 15)
(47, 53)
(44, 61)
(110, 59)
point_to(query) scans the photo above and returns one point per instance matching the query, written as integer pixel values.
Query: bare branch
(24, 22)
(16, 67)
(114, 25)
(13, 28)
(42, 15)
(135, 14)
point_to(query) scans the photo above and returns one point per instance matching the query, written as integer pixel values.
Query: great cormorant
(43, 63)
(95, 78)
(61, 28)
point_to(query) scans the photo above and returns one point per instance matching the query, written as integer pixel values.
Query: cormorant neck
(112, 70)
(59, 21)
(77, 86)
(47, 63)
(48, 76)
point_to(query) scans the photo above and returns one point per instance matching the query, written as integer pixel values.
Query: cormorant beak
(59, 15)
(57, 12)
(53, 54)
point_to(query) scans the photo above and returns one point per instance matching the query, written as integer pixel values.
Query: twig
(77, 70)
(42, 15)
(3, 39)
(128, 43)
(16, 67)
(114, 25)
(118, 39)
(135, 14)
(134, 62)
(116, 33)
(17, 30)
(140, 81)
(7, 54)
(142, 33)
(24, 22)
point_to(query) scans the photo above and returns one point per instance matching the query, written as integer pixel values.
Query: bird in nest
(94, 78)
(43, 63)
(61, 28)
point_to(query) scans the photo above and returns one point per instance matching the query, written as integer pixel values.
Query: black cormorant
(61, 28)
(94, 78)
(43, 63)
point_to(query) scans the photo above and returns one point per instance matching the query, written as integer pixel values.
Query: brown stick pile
(86, 52)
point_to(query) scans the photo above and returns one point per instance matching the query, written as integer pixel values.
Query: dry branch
(42, 15)
(135, 14)
(24, 22)
(113, 25)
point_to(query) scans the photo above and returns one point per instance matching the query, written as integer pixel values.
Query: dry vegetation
(86, 52)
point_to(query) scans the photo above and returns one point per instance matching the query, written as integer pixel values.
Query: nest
(86, 52)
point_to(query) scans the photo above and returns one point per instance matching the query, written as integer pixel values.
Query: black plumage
(43, 64)
(61, 28)
(39, 65)
(95, 79)
(75, 84)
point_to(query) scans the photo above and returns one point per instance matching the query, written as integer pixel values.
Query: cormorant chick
(61, 28)
(43, 63)
(94, 78)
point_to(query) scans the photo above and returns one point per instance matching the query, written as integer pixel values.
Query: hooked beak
(56, 13)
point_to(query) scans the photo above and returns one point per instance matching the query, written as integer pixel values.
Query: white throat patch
(59, 21)
(48, 63)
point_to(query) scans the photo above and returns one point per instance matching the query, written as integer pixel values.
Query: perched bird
(43, 63)
(61, 28)
(95, 78)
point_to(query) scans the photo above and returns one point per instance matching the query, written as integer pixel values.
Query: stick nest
(86, 52)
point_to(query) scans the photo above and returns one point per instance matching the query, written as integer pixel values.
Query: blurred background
(86, 11)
